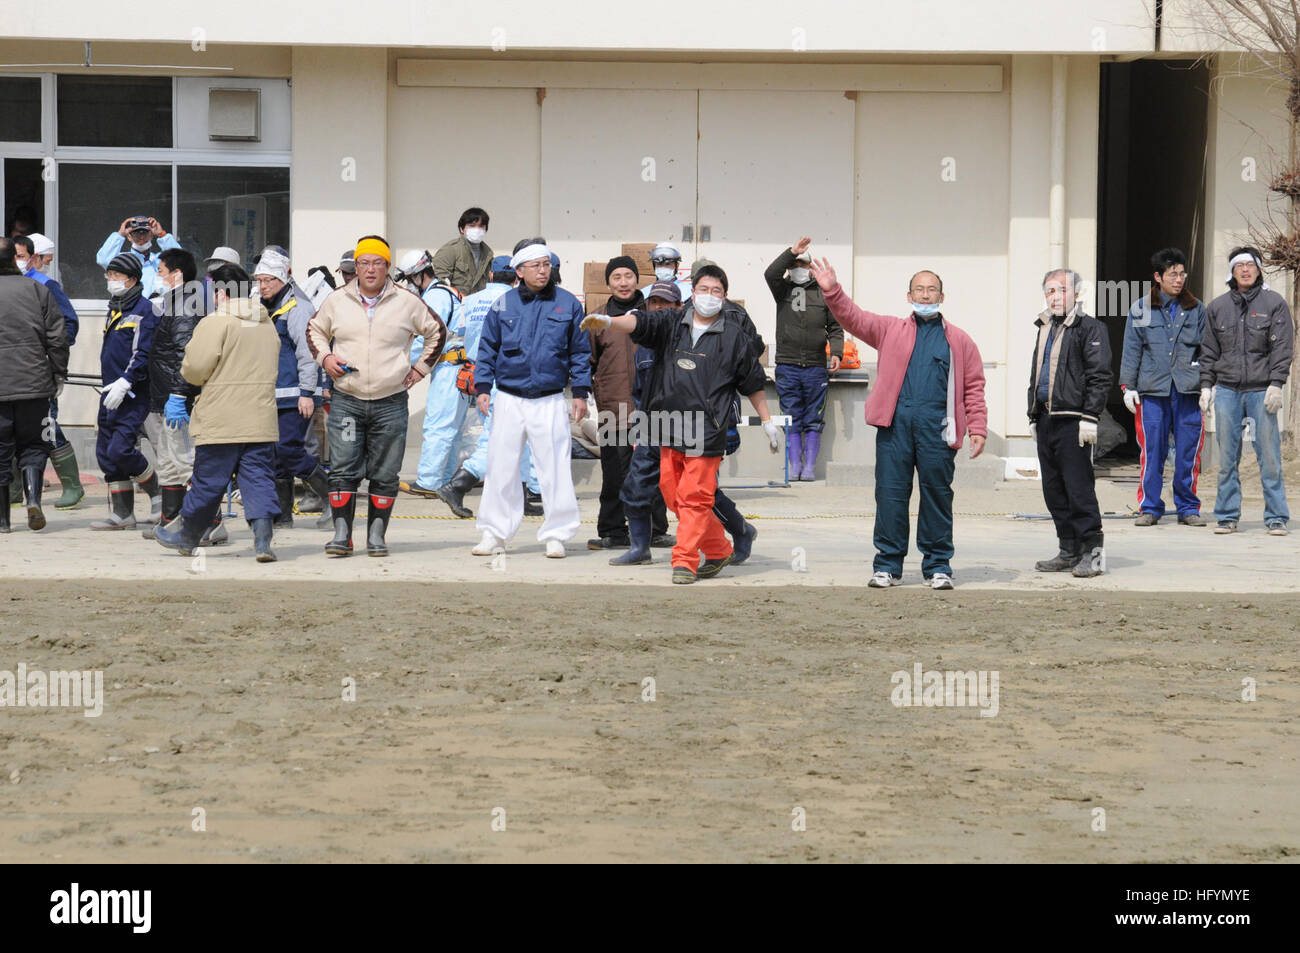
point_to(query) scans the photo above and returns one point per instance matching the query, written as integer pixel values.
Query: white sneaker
(489, 545)
(883, 580)
(554, 549)
(941, 580)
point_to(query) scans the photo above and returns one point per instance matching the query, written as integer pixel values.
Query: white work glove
(1087, 432)
(772, 430)
(595, 322)
(1033, 430)
(1273, 399)
(116, 392)
(1131, 400)
(58, 386)
(1207, 396)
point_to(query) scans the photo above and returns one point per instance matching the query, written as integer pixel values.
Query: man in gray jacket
(1245, 360)
(34, 346)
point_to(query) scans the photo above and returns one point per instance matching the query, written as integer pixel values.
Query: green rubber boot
(64, 460)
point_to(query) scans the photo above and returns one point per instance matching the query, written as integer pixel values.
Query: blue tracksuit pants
(214, 464)
(1159, 418)
(802, 394)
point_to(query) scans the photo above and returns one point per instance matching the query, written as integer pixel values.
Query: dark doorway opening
(1151, 159)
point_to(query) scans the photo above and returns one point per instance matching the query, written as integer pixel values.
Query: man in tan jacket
(362, 337)
(234, 356)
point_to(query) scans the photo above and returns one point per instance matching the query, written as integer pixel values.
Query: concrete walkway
(809, 535)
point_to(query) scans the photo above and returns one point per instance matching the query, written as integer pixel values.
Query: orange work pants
(688, 484)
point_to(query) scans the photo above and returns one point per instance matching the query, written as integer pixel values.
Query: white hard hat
(665, 250)
(40, 244)
(414, 262)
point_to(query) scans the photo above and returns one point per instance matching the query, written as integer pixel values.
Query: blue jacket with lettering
(533, 344)
(128, 336)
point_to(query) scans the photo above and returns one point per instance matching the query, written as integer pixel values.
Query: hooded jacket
(1248, 339)
(33, 340)
(803, 327)
(233, 356)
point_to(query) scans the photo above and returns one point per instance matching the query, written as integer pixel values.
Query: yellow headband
(373, 246)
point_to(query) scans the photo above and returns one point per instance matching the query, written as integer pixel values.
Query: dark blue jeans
(914, 445)
(640, 494)
(367, 441)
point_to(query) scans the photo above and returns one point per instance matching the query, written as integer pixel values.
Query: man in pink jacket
(929, 393)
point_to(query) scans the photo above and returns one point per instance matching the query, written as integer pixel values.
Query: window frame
(225, 154)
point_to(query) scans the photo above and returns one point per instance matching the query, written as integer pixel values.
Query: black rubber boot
(311, 500)
(638, 531)
(34, 482)
(4, 508)
(284, 492)
(378, 512)
(148, 482)
(216, 534)
(121, 507)
(173, 495)
(1092, 557)
(453, 492)
(316, 486)
(343, 507)
(16, 481)
(1063, 561)
(532, 503)
(262, 539)
(184, 539)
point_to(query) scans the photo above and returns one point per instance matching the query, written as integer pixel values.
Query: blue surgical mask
(925, 310)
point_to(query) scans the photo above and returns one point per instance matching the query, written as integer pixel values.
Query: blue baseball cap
(555, 260)
(501, 263)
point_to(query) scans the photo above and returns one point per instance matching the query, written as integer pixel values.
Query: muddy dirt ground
(228, 697)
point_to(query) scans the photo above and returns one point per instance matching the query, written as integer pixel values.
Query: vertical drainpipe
(1056, 204)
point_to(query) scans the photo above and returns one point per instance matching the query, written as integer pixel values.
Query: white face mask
(665, 272)
(24, 264)
(475, 235)
(706, 306)
(799, 275)
(142, 248)
(116, 287)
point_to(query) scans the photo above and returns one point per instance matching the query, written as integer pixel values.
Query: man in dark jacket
(1161, 378)
(124, 401)
(1245, 361)
(804, 326)
(1069, 381)
(179, 304)
(34, 345)
(33, 254)
(613, 376)
(702, 359)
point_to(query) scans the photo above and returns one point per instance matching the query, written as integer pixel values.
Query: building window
(20, 109)
(123, 111)
(245, 208)
(93, 201)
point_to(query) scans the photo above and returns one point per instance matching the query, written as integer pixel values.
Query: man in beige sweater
(362, 337)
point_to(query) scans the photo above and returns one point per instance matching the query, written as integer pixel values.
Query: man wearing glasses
(531, 347)
(1160, 375)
